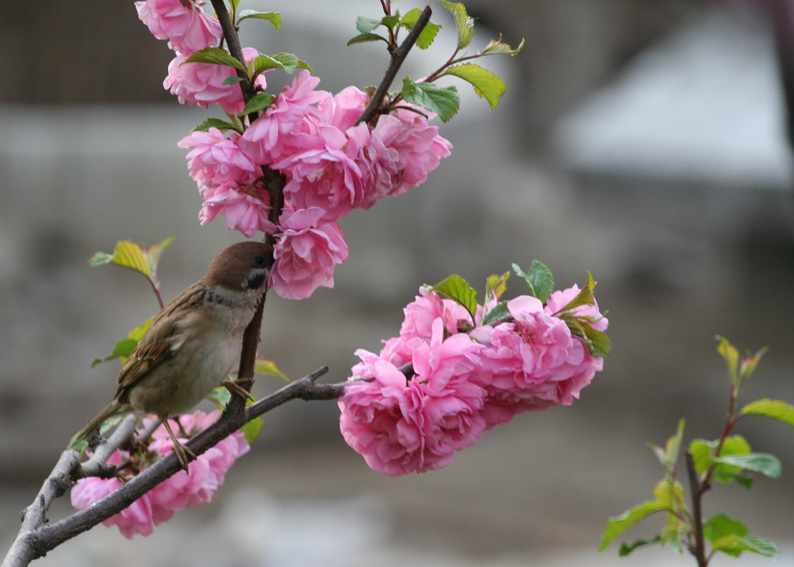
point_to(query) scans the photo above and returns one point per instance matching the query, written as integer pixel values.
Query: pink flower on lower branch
(531, 363)
(206, 475)
(401, 425)
(306, 253)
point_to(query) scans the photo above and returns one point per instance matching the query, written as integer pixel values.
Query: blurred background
(643, 141)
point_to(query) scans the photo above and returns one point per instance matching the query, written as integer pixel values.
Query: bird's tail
(114, 408)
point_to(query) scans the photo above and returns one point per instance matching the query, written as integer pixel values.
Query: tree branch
(696, 493)
(397, 59)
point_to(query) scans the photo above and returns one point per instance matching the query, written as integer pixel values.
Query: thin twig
(95, 466)
(696, 493)
(397, 59)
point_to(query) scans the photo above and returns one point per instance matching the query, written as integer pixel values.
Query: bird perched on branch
(193, 343)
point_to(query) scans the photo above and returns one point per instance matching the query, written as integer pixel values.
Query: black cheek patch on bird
(255, 281)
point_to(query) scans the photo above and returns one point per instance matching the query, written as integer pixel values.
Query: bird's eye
(260, 261)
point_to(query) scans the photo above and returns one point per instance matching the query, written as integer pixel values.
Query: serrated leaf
(215, 56)
(616, 525)
(720, 525)
(444, 101)
(763, 463)
(772, 409)
(463, 23)
(498, 48)
(584, 297)
(668, 493)
(366, 25)
(597, 342)
(486, 84)
(272, 17)
(748, 365)
(124, 347)
(268, 367)
(221, 125)
(232, 80)
(495, 285)
(257, 103)
(499, 311)
(734, 546)
(627, 548)
(459, 290)
(669, 455)
(130, 255)
(429, 32)
(731, 356)
(539, 279)
(220, 396)
(252, 429)
(365, 38)
(673, 533)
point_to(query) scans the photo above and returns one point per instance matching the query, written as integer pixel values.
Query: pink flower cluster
(181, 490)
(445, 379)
(331, 164)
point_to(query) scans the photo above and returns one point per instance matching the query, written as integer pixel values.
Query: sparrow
(193, 343)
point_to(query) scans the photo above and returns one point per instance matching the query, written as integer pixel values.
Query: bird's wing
(160, 342)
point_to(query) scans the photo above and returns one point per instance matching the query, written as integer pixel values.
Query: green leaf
(252, 429)
(495, 285)
(669, 455)
(221, 125)
(627, 548)
(268, 367)
(429, 32)
(444, 101)
(463, 23)
(272, 17)
(459, 290)
(731, 356)
(233, 79)
(366, 37)
(616, 525)
(748, 365)
(584, 297)
(773, 409)
(763, 463)
(130, 255)
(486, 84)
(597, 342)
(498, 48)
(215, 56)
(366, 25)
(257, 103)
(499, 311)
(539, 279)
(734, 545)
(703, 457)
(720, 525)
(221, 396)
(669, 493)
(124, 347)
(673, 534)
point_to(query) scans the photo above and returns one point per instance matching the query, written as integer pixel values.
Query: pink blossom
(402, 151)
(327, 176)
(284, 129)
(183, 22)
(401, 425)
(201, 84)
(306, 253)
(205, 476)
(559, 300)
(530, 363)
(344, 108)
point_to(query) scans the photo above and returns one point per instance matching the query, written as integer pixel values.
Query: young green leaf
(444, 101)
(703, 457)
(257, 103)
(486, 84)
(365, 38)
(674, 533)
(731, 356)
(232, 80)
(428, 34)
(215, 56)
(252, 429)
(499, 311)
(763, 463)
(221, 396)
(221, 125)
(627, 548)
(616, 525)
(129, 255)
(268, 367)
(669, 455)
(124, 347)
(748, 365)
(584, 297)
(597, 342)
(539, 279)
(272, 17)
(366, 25)
(495, 285)
(734, 545)
(720, 525)
(497, 48)
(459, 290)
(463, 23)
(773, 409)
